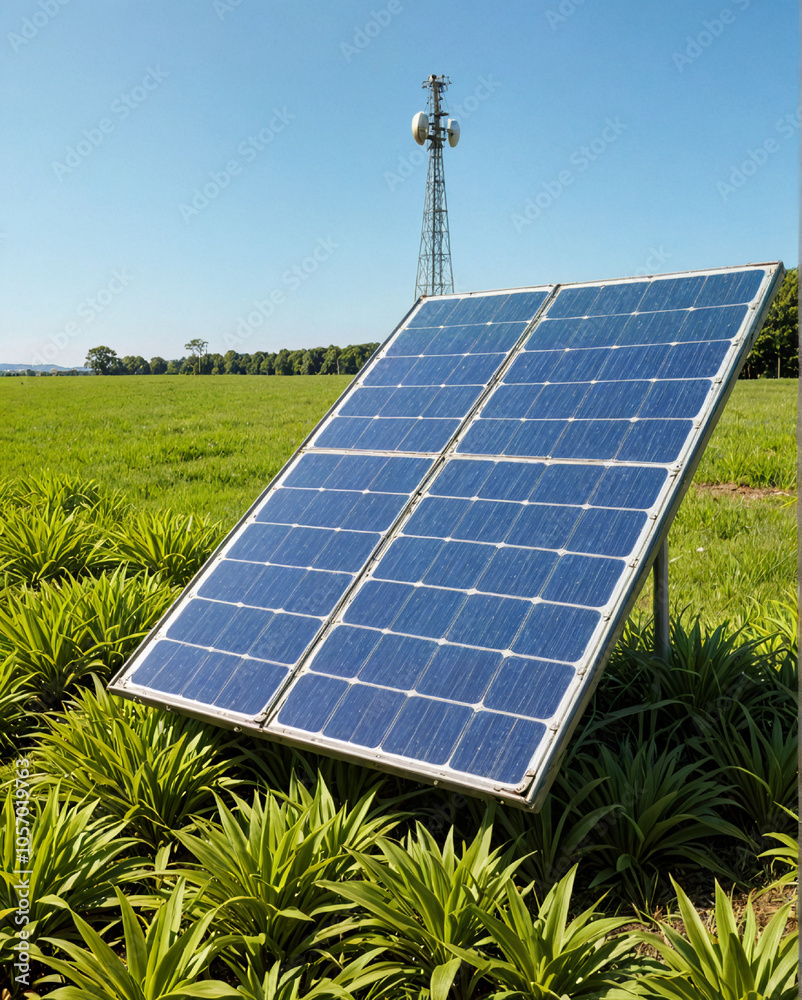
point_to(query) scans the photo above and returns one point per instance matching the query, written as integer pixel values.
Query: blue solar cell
(592, 440)
(672, 293)
(556, 632)
(627, 486)
(497, 337)
(529, 687)
(535, 438)
(634, 363)
(498, 747)
(461, 478)
(168, 665)
(711, 324)
(477, 309)
(579, 366)
(429, 612)
(342, 432)
(655, 441)
(286, 638)
(251, 687)
(382, 434)
(356, 472)
(311, 702)
(429, 434)
(407, 401)
(519, 306)
(431, 370)
(300, 547)
(486, 521)
(345, 651)
(613, 400)
(574, 302)
(454, 340)
(232, 581)
(607, 532)
(286, 506)
(476, 369)
(676, 399)
(543, 527)
(512, 401)
(567, 484)
(312, 470)
(377, 603)
(512, 480)
(727, 289)
(598, 331)
(651, 328)
(701, 360)
(408, 559)
(330, 509)
(389, 371)
(200, 622)
(317, 593)
(558, 401)
(458, 564)
(533, 367)
(218, 668)
(412, 342)
(487, 437)
(427, 730)
(347, 551)
(374, 511)
(242, 629)
(517, 572)
(453, 401)
(436, 517)
(366, 402)
(551, 334)
(433, 312)
(583, 580)
(397, 662)
(486, 620)
(459, 674)
(364, 715)
(620, 298)
(400, 475)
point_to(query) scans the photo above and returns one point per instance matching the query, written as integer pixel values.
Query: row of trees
(330, 360)
(776, 350)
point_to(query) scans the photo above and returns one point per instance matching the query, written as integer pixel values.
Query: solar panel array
(434, 581)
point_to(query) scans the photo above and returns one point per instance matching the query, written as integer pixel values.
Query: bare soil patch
(747, 493)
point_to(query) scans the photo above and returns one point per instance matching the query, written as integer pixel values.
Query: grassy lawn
(210, 445)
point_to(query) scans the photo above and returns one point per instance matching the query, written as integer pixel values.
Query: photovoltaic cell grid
(476, 629)
(236, 637)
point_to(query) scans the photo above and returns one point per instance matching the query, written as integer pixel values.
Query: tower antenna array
(435, 276)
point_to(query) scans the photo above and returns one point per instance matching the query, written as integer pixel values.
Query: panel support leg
(662, 627)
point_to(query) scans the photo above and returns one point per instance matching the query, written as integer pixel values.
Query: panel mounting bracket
(662, 625)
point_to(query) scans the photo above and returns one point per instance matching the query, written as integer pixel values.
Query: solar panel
(434, 582)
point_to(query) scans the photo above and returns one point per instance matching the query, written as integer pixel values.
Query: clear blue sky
(155, 99)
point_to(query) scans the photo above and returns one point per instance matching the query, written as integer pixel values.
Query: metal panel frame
(544, 764)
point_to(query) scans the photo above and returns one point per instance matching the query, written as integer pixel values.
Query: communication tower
(435, 276)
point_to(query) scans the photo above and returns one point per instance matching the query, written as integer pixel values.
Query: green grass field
(211, 445)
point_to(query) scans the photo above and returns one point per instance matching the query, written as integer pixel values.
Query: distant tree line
(330, 360)
(776, 350)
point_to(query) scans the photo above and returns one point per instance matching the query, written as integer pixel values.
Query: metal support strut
(662, 625)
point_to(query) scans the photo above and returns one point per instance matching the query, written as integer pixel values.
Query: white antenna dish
(452, 128)
(420, 127)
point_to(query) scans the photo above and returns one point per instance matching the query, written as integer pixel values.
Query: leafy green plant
(303, 983)
(13, 698)
(174, 545)
(268, 867)
(732, 963)
(761, 768)
(161, 961)
(152, 770)
(548, 956)
(61, 633)
(72, 855)
(423, 901)
(665, 815)
(787, 854)
(37, 545)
